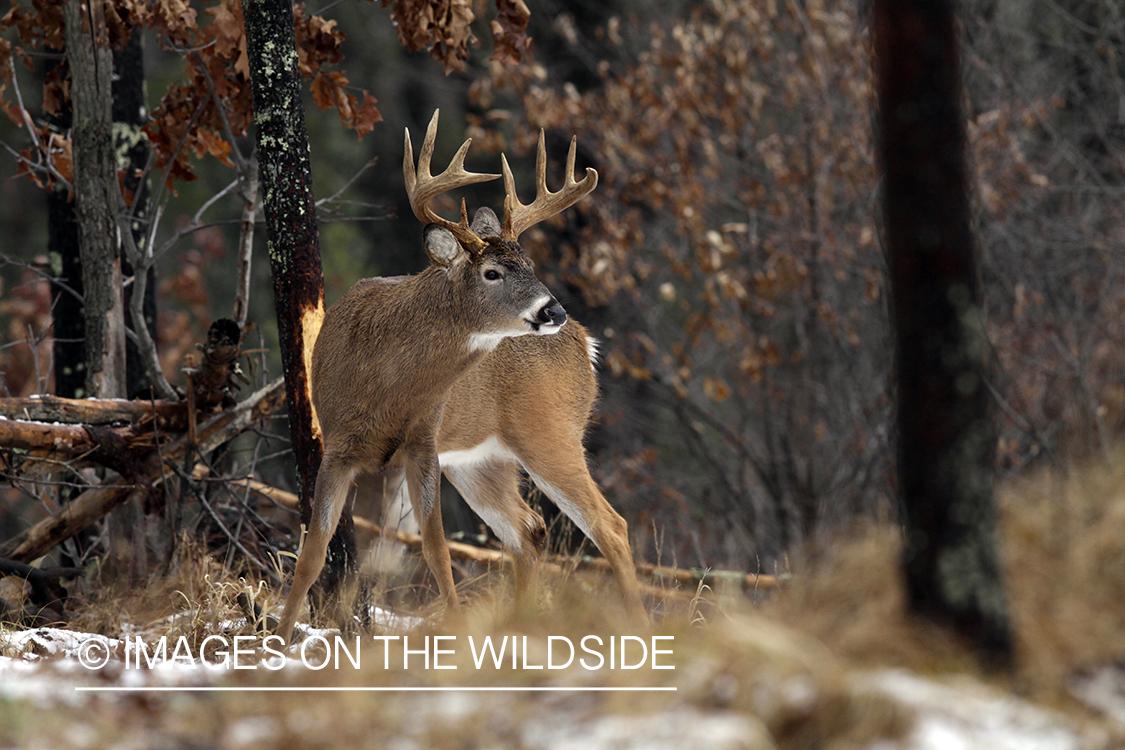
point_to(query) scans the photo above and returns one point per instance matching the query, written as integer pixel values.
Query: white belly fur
(493, 450)
(490, 450)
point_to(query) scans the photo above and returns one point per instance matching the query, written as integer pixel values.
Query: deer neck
(448, 309)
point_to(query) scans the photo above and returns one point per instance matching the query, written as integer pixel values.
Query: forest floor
(831, 660)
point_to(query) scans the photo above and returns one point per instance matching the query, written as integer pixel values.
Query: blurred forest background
(729, 261)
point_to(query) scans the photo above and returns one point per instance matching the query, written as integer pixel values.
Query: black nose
(552, 314)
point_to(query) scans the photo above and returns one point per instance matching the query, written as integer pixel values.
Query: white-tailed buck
(412, 371)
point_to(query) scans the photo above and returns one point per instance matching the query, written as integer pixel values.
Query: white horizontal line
(198, 689)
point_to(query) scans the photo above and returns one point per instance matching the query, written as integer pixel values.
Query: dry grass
(1063, 547)
(787, 690)
(784, 668)
(849, 595)
(1064, 535)
(196, 600)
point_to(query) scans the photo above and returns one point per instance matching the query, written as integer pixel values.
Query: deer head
(485, 258)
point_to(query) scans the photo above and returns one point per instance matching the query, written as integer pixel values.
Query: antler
(518, 217)
(423, 187)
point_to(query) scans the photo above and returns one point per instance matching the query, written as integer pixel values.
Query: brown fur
(382, 368)
(536, 393)
(392, 352)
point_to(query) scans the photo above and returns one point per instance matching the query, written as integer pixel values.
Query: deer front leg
(332, 484)
(422, 478)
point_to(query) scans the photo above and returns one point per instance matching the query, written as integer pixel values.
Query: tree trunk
(67, 322)
(66, 308)
(95, 189)
(946, 441)
(291, 231)
(129, 116)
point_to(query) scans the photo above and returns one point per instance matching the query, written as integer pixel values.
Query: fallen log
(114, 490)
(75, 439)
(167, 415)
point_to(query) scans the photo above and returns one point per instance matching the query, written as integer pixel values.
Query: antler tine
(422, 187)
(519, 217)
(428, 145)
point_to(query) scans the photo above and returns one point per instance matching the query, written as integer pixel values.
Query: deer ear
(485, 223)
(441, 245)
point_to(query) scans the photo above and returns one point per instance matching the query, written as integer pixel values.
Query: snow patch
(967, 716)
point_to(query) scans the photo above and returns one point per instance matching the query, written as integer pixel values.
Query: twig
(239, 160)
(45, 153)
(97, 501)
(161, 187)
(332, 198)
(188, 479)
(141, 262)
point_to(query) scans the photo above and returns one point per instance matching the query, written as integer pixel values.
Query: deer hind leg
(564, 477)
(332, 484)
(492, 490)
(422, 481)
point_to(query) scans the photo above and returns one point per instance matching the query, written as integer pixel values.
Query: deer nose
(552, 314)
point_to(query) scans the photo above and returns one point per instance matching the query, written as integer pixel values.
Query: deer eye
(492, 275)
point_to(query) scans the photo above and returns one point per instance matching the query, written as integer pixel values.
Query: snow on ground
(46, 664)
(966, 715)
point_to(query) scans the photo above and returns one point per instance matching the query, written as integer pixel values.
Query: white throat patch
(489, 341)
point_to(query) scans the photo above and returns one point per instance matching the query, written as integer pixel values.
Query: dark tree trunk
(67, 319)
(129, 115)
(291, 230)
(66, 266)
(946, 441)
(66, 308)
(95, 190)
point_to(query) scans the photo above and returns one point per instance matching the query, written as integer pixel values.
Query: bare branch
(44, 153)
(139, 332)
(240, 161)
(246, 243)
(158, 199)
(334, 198)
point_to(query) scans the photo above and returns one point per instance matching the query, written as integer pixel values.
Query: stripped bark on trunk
(294, 252)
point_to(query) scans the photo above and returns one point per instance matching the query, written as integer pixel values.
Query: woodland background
(730, 260)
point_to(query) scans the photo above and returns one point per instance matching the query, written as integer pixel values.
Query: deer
(527, 406)
(390, 361)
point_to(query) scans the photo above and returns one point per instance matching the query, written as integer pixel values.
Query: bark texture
(294, 252)
(95, 189)
(946, 441)
(169, 416)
